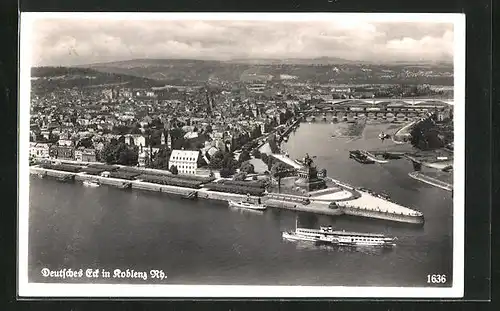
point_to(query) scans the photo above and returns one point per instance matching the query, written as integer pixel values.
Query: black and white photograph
(283, 155)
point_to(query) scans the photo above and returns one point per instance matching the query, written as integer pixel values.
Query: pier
(372, 157)
(431, 181)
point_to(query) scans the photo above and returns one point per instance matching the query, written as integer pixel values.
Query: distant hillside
(69, 77)
(296, 61)
(321, 70)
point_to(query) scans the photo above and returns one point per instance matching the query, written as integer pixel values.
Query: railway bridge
(383, 109)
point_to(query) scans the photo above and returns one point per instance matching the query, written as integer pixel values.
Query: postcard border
(26, 289)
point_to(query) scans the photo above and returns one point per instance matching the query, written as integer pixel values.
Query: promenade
(346, 199)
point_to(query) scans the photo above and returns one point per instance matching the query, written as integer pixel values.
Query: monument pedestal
(308, 179)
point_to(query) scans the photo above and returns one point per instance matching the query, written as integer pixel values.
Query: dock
(372, 157)
(431, 181)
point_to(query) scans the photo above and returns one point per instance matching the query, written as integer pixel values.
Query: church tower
(162, 138)
(169, 141)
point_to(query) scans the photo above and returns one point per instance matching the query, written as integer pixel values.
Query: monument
(308, 176)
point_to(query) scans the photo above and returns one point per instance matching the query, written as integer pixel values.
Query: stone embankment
(341, 199)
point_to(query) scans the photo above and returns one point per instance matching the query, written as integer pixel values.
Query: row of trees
(273, 144)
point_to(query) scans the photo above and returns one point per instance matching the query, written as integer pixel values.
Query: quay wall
(291, 127)
(314, 206)
(49, 172)
(353, 211)
(222, 196)
(431, 181)
(141, 185)
(342, 184)
(102, 180)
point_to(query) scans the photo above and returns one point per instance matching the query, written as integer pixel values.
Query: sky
(65, 42)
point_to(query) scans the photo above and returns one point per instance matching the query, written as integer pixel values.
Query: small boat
(247, 205)
(89, 183)
(383, 136)
(191, 196)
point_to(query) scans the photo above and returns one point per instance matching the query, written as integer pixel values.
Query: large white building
(40, 150)
(186, 161)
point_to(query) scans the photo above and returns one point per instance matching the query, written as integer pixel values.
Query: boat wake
(365, 249)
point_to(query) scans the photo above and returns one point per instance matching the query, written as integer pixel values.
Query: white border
(26, 289)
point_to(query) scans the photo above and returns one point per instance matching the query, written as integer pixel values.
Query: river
(205, 242)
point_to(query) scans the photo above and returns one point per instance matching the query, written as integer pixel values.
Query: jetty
(431, 181)
(372, 157)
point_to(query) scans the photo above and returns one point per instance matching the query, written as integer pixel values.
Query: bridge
(408, 101)
(380, 106)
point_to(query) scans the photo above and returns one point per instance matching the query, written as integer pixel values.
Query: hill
(68, 77)
(319, 70)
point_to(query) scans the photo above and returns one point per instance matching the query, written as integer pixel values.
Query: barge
(358, 156)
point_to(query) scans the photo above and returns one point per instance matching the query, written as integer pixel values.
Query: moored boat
(358, 156)
(247, 205)
(89, 183)
(191, 196)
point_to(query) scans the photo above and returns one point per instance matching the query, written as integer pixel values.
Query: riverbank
(431, 181)
(403, 133)
(348, 200)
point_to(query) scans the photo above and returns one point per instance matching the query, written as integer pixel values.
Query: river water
(205, 242)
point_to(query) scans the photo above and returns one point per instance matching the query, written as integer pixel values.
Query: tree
(126, 155)
(176, 133)
(135, 130)
(256, 132)
(108, 152)
(86, 143)
(121, 129)
(115, 152)
(226, 172)
(216, 161)
(174, 170)
(323, 172)
(273, 144)
(161, 158)
(240, 176)
(270, 163)
(244, 156)
(264, 157)
(223, 160)
(247, 167)
(256, 153)
(156, 123)
(278, 171)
